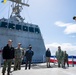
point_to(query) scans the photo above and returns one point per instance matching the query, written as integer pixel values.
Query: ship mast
(17, 8)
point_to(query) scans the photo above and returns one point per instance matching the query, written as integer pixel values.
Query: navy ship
(26, 33)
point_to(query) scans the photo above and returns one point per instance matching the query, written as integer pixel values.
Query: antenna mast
(17, 8)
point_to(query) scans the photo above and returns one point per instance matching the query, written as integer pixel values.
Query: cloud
(71, 49)
(69, 27)
(61, 24)
(73, 36)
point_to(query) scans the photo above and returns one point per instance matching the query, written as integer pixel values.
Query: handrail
(54, 60)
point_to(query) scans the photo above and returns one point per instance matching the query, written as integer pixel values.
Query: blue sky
(54, 17)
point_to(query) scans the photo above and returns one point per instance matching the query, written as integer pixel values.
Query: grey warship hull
(24, 33)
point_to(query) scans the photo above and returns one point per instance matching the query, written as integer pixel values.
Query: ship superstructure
(26, 33)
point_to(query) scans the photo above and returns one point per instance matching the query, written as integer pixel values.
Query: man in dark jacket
(29, 53)
(8, 55)
(48, 55)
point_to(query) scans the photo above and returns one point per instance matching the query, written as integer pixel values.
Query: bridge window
(3, 24)
(37, 30)
(18, 27)
(31, 29)
(11, 26)
(25, 28)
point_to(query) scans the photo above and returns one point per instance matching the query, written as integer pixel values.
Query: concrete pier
(41, 69)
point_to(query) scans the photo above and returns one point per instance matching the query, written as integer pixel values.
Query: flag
(4, 1)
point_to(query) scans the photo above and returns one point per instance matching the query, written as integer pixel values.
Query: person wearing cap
(29, 53)
(18, 57)
(8, 56)
(59, 56)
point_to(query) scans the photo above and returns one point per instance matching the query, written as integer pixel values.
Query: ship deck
(41, 69)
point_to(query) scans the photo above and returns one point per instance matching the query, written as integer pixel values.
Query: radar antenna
(17, 8)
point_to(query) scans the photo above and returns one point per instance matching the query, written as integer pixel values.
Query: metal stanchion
(72, 61)
(54, 61)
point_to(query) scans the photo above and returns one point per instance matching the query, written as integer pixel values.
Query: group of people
(11, 54)
(62, 57)
(15, 55)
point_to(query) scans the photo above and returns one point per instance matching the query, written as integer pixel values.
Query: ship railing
(71, 60)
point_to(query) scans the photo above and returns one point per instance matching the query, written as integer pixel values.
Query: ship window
(11, 26)
(37, 30)
(18, 27)
(3, 24)
(25, 28)
(31, 29)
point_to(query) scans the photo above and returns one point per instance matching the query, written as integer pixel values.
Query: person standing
(8, 56)
(66, 59)
(59, 56)
(18, 57)
(48, 55)
(29, 53)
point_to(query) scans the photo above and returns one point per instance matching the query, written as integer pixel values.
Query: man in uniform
(8, 56)
(18, 57)
(59, 56)
(66, 59)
